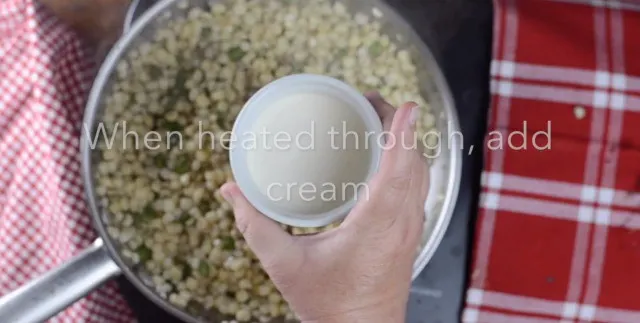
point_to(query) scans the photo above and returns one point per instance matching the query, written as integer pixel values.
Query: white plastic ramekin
(264, 98)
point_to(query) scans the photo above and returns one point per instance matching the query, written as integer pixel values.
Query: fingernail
(227, 196)
(373, 95)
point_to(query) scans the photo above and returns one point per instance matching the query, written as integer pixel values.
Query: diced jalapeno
(376, 49)
(186, 269)
(204, 269)
(205, 32)
(154, 71)
(236, 54)
(183, 165)
(184, 218)
(149, 213)
(173, 126)
(160, 161)
(228, 243)
(144, 253)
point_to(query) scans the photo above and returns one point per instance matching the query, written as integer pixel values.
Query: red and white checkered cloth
(44, 78)
(558, 235)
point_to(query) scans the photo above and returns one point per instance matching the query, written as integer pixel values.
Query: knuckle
(283, 267)
(399, 183)
(242, 224)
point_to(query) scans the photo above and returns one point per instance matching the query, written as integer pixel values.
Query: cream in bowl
(303, 149)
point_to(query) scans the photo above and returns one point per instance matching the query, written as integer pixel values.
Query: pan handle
(54, 291)
(131, 15)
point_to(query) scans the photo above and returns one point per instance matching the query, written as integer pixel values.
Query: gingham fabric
(44, 77)
(558, 234)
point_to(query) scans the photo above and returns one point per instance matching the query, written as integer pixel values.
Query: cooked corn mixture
(194, 75)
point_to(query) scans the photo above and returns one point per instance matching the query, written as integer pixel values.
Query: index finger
(385, 110)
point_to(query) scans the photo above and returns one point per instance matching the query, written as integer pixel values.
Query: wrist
(387, 313)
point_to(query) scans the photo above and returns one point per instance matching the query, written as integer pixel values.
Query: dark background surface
(459, 33)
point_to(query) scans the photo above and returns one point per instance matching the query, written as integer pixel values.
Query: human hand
(360, 271)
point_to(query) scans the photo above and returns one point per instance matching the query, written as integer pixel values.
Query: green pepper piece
(178, 91)
(228, 243)
(236, 54)
(173, 126)
(181, 78)
(154, 71)
(148, 213)
(171, 101)
(195, 307)
(204, 269)
(205, 32)
(376, 49)
(184, 218)
(186, 269)
(137, 219)
(183, 165)
(160, 161)
(144, 253)
(204, 206)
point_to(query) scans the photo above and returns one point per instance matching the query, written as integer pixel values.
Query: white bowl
(276, 90)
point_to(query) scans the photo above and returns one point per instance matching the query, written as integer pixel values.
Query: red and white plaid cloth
(44, 78)
(558, 234)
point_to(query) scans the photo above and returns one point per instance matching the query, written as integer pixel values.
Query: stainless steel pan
(46, 296)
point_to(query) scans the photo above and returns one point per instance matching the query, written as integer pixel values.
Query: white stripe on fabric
(597, 99)
(530, 206)
(487, 225)
(633, 103)
(470, 315)
(558, 189)
(616, 315)
(494, 317)
(609, 168)
(568, 75)
(632, 83)
(517, 303)
(538, 306)
(616, 4)
(535, 72)
(584, 214)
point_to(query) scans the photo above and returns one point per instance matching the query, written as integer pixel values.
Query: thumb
(402, 155)
(403, 170)
(401, 185)
(265, 237)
